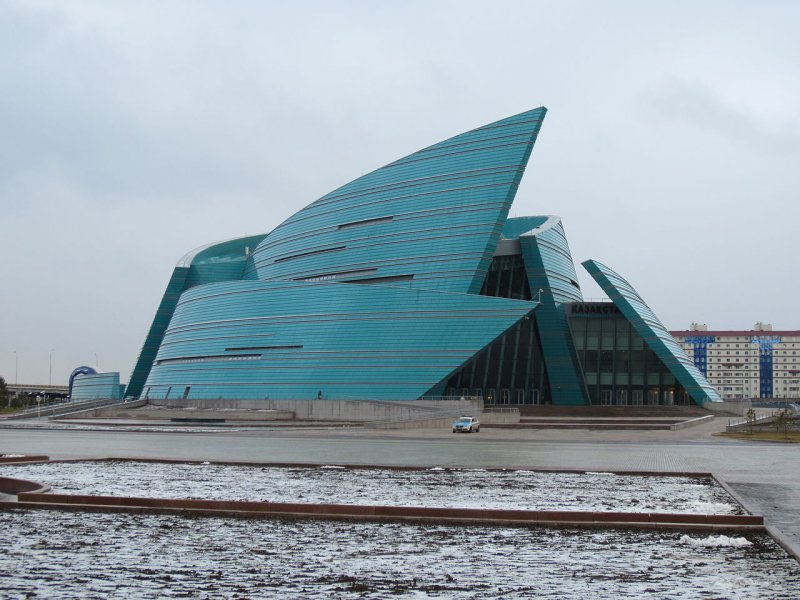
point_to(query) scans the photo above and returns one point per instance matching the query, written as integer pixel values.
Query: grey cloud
(135, 131)
(699, 106)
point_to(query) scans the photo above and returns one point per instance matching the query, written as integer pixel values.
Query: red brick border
(22, 459)
(387, 513)
(9, 485)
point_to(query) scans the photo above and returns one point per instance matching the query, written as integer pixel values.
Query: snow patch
(707, 508)
(716, 541)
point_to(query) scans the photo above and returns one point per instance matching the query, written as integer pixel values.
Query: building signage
(594, 308)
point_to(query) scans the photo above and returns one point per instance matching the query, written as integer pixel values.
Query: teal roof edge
(650, 328)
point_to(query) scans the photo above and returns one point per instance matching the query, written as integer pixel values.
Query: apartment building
(759, 363)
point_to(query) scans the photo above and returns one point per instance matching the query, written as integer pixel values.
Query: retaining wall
(729, 407)
(506, 417)
(336, 410)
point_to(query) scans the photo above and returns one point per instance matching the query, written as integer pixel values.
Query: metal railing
(762, 416)
(60, 408)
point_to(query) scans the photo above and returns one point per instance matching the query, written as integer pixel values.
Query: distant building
(87, 384)
(759, 363)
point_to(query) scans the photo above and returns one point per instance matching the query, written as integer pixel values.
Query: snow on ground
(436, 487)
(56, 554)
(715, 541)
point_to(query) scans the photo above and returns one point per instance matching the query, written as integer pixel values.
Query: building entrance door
(605, 397)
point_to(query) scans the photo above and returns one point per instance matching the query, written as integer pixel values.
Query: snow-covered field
(438, 487)
(53, 554)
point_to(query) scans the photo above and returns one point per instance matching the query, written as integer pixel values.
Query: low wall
(691, 422)
(506, 416)
(390, 513)
(60, 408)
(764, 424)
(119, 409)
(11, 458)
(337, 410)
(9, 485)
(164, 413)
(729, 407)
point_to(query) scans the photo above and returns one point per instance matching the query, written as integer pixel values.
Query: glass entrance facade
(509, 371)
(618, 366)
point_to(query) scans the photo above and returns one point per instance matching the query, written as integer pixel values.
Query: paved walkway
(764, 475)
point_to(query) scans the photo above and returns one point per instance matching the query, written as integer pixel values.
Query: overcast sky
(132, 132)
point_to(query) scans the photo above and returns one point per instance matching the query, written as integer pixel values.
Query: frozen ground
(437, 487)
(74, 555)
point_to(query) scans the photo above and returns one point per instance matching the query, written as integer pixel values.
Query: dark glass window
(606, 361)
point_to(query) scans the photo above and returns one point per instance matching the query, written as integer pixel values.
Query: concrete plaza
(763, 475)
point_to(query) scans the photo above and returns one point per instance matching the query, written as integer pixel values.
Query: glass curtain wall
(618, 366)
(510, 370)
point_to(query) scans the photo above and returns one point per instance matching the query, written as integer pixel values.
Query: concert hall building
(407, 283)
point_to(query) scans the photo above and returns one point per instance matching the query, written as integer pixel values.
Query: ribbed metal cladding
(221, 261)
(96, 385)
(549, 266)
(650, 328)
(256, 340)
(421, 231)
(435, 214)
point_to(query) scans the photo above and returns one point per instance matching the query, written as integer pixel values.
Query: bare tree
(750, 416)
(784, 422)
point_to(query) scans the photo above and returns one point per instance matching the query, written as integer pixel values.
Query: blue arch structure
(79, 371)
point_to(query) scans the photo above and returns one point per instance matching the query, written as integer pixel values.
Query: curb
(278, 510)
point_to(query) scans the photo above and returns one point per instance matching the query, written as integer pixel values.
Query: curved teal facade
(335, 341)
(371, 292)
(91, 386)
(408, 282)
(549, 266)
(430, 220)
(220, 261)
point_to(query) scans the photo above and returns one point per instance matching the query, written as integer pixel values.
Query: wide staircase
(604, 417)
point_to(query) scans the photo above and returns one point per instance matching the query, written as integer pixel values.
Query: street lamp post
(16, 375)
(50, 378)
(96, 361)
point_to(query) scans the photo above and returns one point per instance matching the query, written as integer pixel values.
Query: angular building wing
(652, 331)
(430, 220)
(549, 265)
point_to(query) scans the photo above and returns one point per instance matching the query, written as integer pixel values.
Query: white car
(466, 425)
